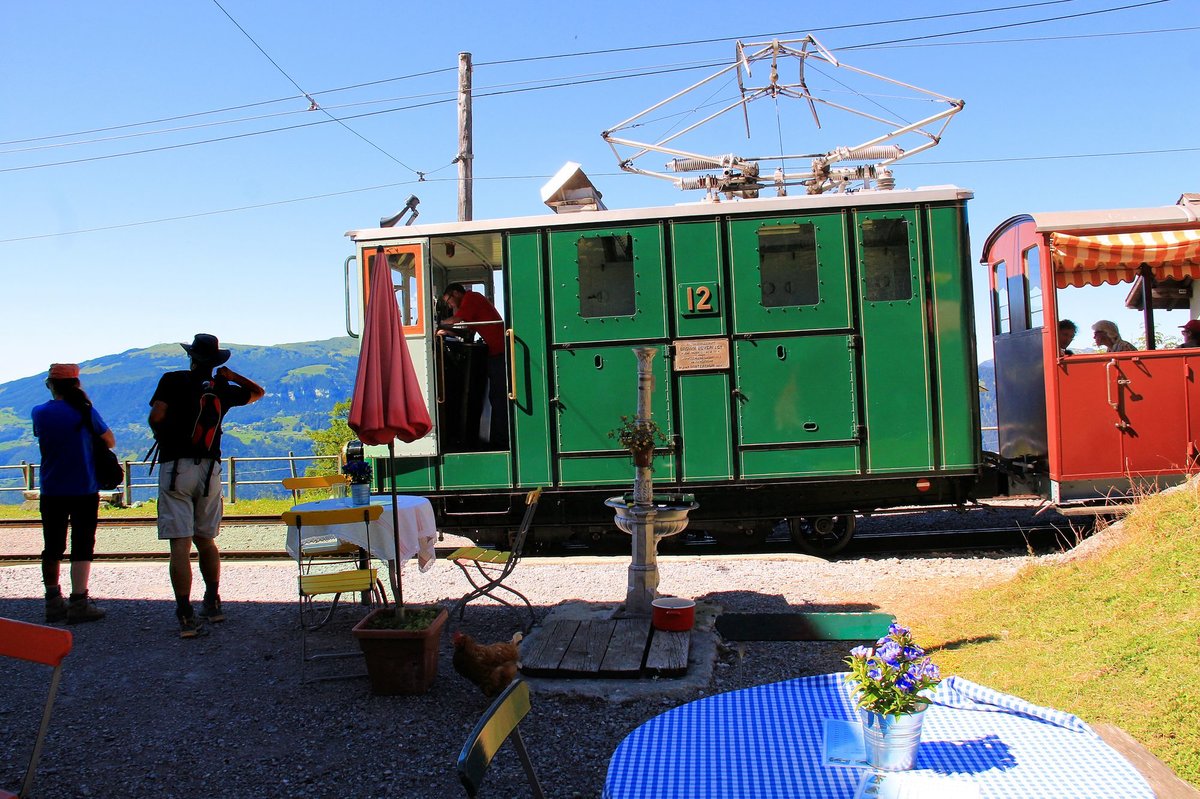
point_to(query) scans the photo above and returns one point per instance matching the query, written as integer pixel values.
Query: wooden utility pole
(465, 155)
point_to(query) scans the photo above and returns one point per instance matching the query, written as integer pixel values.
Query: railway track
(1039, 538)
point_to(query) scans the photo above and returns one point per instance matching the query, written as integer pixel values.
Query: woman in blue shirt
(68, 490)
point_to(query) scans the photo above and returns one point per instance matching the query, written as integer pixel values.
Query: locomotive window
(886, 267)
(1033, 271)
(606, 276)
(1000, 301)
(787, 266)
(404, 283)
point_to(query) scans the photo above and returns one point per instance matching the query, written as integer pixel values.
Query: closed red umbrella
(387, 403)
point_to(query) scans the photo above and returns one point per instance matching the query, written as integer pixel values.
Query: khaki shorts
(186, 512)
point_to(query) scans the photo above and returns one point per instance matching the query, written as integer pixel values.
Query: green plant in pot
(640, 437)
(401, 646)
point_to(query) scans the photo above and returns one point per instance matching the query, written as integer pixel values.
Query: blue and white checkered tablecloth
(766, 742)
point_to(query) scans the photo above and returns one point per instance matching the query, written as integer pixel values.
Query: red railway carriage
(1083, 428)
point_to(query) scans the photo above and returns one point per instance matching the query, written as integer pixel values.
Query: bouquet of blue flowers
(358, 471)
(894, 676)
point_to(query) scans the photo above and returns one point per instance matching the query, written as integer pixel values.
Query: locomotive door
(795, 383)
(473, 361)
(896, 366)
(607, 292)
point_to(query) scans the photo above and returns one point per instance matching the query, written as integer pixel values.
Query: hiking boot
(82, 609)
(211, 611)
(56, 609)
(191, 627)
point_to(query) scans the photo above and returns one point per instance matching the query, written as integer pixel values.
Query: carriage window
(886, 268)
(606, 276)
(787, 266)
(1000, 300)
(404, 282)
(1033, 271)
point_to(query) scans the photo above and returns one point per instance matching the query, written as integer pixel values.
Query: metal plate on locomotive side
(693, 355)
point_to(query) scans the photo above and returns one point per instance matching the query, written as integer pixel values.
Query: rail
(132, 490)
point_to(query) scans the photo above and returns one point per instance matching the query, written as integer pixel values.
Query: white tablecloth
(418, 529)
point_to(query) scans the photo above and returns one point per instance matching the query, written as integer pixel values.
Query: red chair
(37, 644)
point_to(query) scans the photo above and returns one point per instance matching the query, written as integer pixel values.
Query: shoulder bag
(109, 473)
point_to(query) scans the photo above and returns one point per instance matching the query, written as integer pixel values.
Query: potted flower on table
(892, 681)
(359, 472)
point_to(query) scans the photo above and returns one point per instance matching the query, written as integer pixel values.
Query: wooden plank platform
(617, 648)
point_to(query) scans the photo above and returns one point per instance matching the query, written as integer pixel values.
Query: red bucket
(673, 614)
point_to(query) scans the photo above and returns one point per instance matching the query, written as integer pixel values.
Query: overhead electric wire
(313, 104)
(847, 26)
(927, 36)
(290, 201)
(610, 51)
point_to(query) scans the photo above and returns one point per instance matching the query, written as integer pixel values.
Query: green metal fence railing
(239, 472)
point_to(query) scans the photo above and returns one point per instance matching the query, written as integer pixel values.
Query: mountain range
(303, 381)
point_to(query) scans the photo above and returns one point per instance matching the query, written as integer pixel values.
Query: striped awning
(1095, 260)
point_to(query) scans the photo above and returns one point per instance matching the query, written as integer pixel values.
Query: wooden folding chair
(313, 583)
(487, 569)
(498, 723)
(37, 644)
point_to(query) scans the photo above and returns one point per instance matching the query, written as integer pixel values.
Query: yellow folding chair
(334, 550)
(313, 583)
(487, 569)
(497, 725)
(37, 644)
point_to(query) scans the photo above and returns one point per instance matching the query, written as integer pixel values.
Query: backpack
(206, 426)
(208, 419)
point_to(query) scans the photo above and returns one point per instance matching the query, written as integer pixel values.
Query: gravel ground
(142, 713)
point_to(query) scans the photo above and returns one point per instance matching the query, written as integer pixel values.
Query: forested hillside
(303, 381)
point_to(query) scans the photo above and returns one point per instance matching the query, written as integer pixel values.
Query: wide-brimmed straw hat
(205, 350)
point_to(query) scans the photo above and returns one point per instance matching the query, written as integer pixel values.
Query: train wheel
(822, 535)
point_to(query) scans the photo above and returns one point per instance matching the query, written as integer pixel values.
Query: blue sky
(224, 229)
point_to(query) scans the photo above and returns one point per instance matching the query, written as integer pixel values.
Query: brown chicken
(490, 666)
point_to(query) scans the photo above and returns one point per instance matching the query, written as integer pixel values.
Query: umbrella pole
(397, 578)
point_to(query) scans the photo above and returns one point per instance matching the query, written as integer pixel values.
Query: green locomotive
(815, 360)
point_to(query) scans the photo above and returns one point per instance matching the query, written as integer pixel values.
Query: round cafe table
(768, 742)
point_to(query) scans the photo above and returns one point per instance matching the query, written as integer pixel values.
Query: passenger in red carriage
(1191, 333)
(1107, 335)
(1066, 334)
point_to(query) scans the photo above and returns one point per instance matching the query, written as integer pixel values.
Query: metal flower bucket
(891, 741)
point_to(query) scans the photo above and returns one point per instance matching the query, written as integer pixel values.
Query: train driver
(1191, 333)
(1066, 334)
(472, 307)
(1107, 335)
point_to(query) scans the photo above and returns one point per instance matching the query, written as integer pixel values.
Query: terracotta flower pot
(400, 661)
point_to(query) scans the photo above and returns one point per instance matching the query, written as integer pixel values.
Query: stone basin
(670, 512)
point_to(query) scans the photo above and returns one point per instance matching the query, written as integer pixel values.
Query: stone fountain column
(642, 588)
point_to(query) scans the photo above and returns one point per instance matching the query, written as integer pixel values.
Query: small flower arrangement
(359, 472)
(890, 677)
(639, 435)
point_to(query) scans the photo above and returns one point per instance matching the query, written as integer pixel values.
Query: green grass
(1111, 638)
